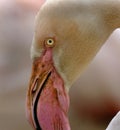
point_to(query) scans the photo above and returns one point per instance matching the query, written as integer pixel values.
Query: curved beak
(37, 83)
(47, 100)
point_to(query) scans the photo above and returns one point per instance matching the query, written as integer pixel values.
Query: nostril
(35, 86)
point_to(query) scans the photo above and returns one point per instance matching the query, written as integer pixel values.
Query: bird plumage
(80, 29)
(115, 123)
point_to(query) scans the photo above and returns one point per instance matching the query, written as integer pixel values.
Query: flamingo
(67, 36)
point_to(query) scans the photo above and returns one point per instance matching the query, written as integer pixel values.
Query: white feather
(115, 123)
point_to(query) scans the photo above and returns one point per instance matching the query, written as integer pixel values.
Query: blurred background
(95, 97)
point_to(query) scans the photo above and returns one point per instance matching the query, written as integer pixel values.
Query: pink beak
(47, 100)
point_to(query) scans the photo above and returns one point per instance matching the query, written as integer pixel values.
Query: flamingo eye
(50, 42)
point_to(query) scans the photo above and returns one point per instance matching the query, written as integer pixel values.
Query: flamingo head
(47, 98)
(60, 50)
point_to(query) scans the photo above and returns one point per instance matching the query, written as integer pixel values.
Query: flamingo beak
(47, 100)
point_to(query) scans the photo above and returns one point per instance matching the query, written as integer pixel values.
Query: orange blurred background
(94, 97)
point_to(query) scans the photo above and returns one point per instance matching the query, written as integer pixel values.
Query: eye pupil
(50, 41)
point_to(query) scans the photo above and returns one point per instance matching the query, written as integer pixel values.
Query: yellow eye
(50, 42)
